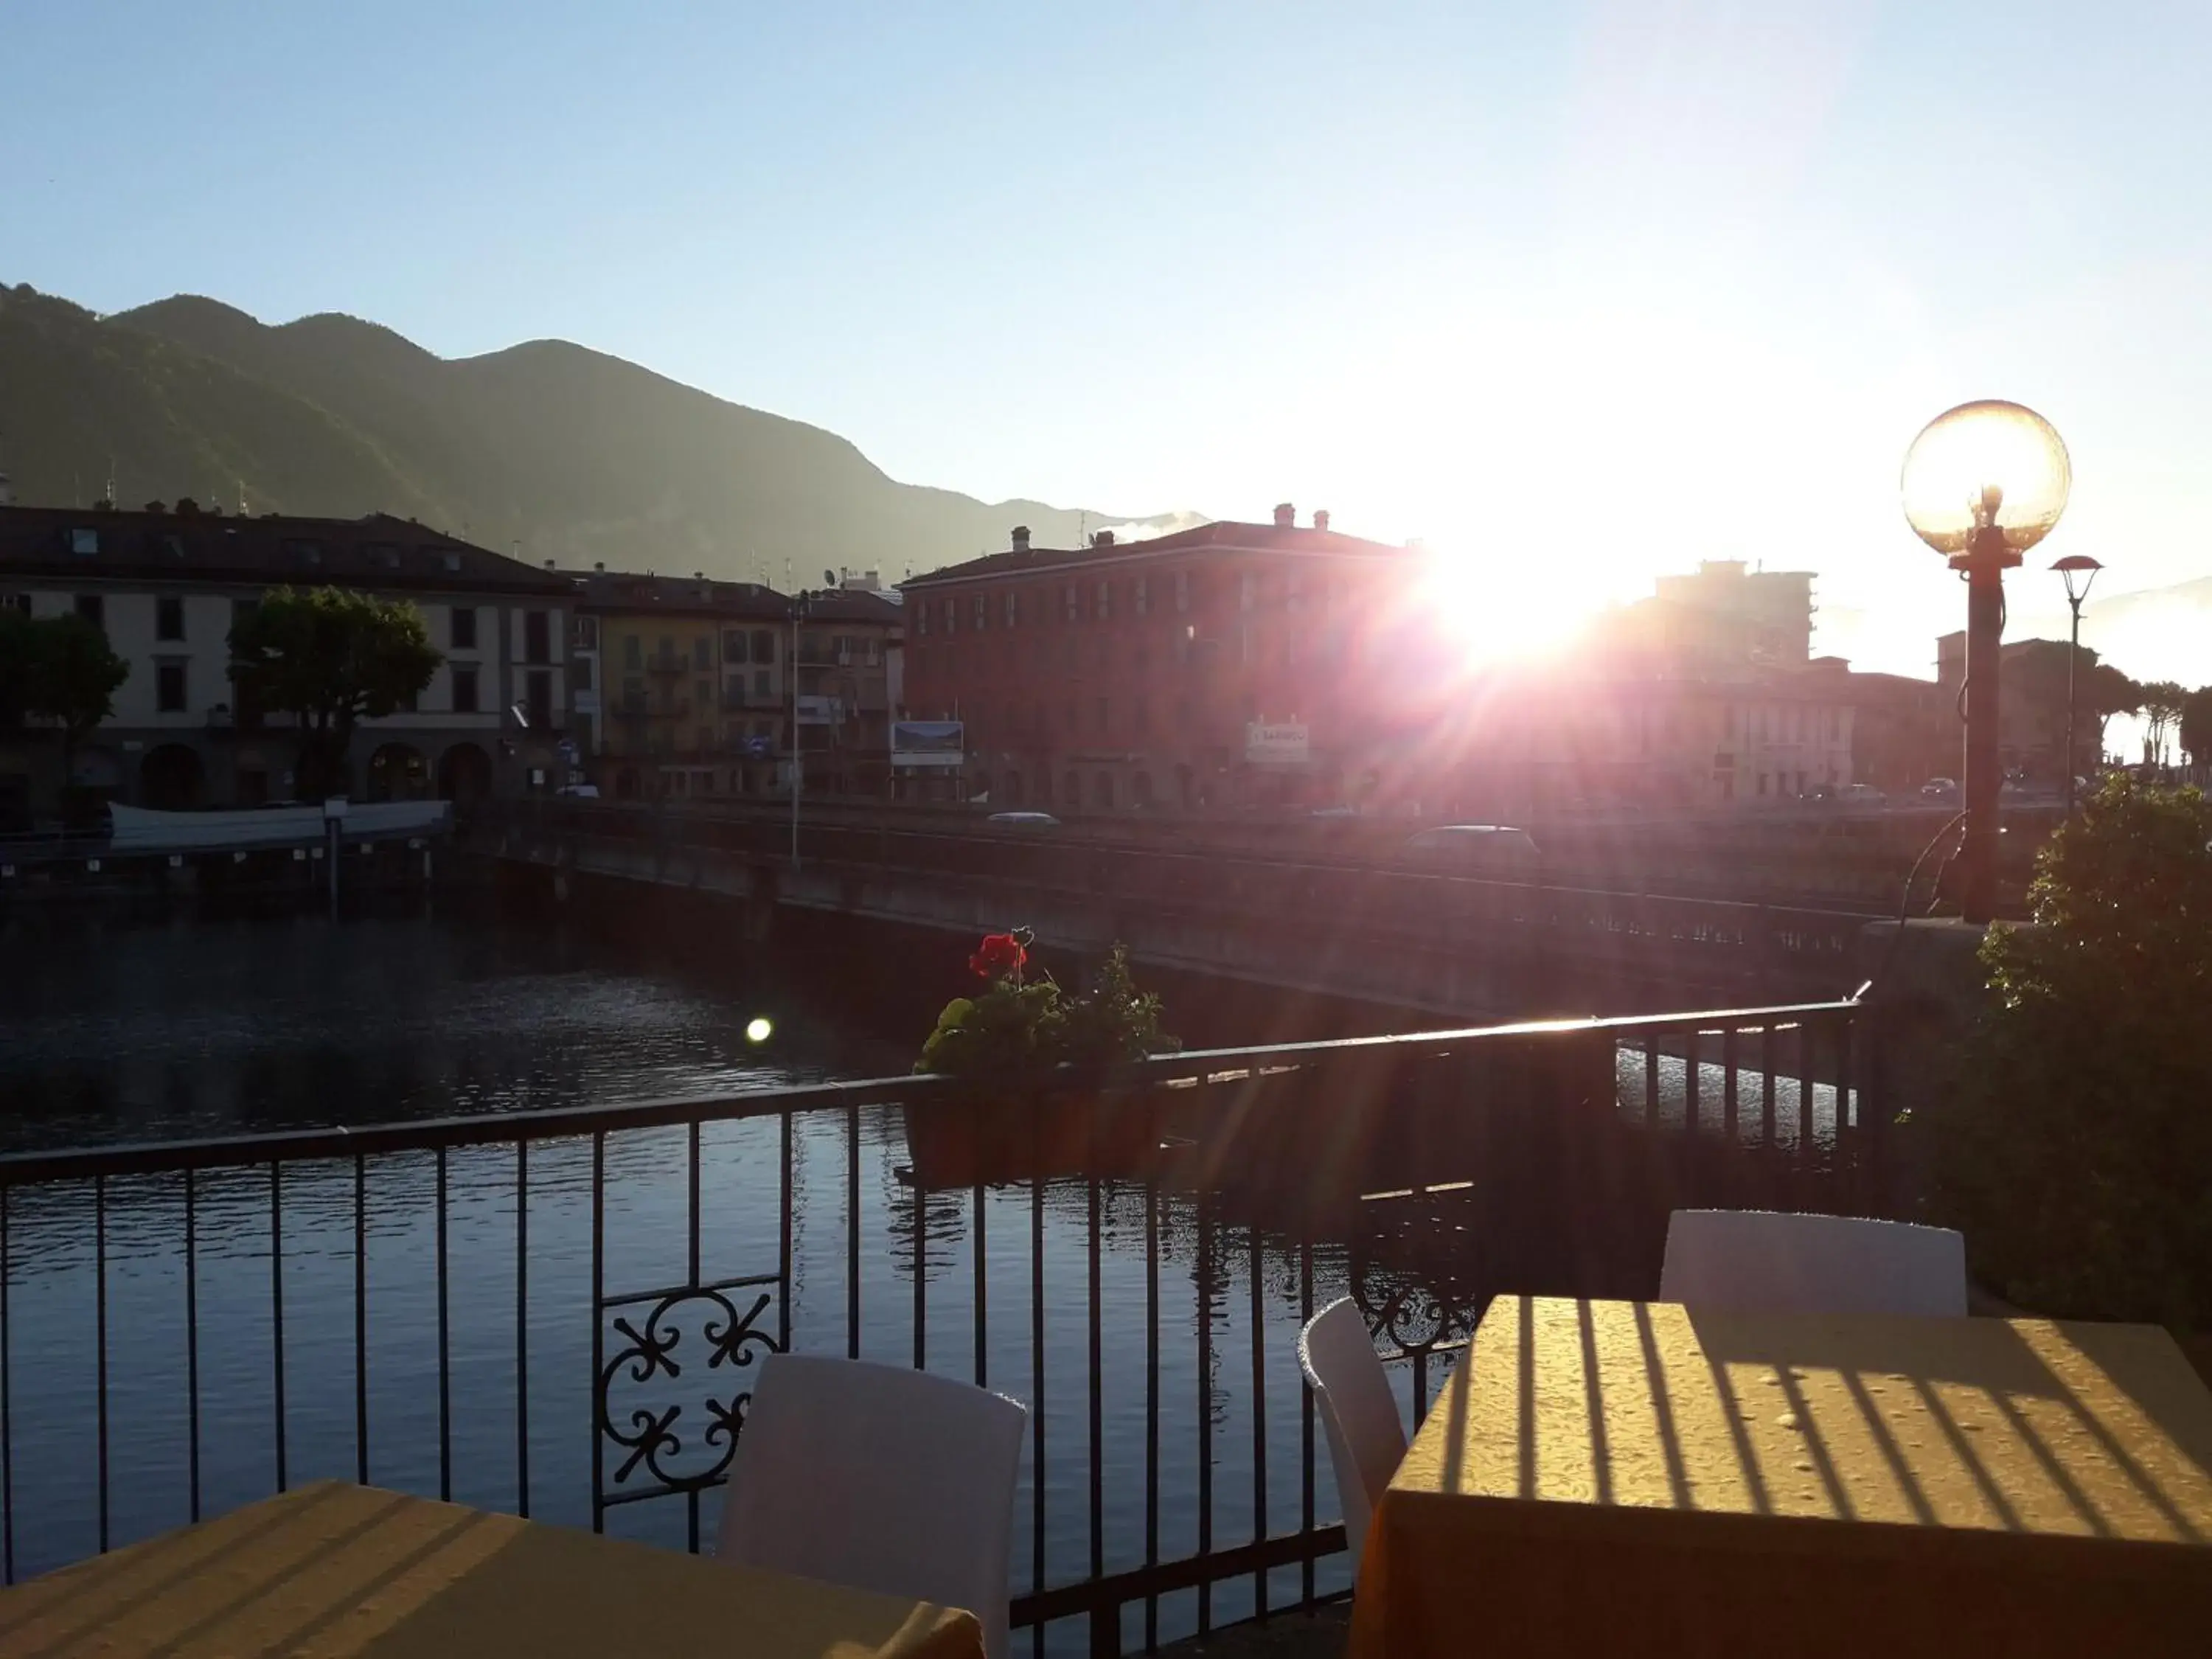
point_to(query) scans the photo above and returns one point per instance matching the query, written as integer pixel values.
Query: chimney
(1320, 518)
(549, 564)
(1021, 539)
(1104, 538)
(1286, 517)
(600, 565)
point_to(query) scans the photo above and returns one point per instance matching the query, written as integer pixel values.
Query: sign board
(928, 742)
(1274, 746)
(760, 748)
(821, 711)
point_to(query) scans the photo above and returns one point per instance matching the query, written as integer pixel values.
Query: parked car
(1024, 820)
(1474, 849)
(579, 791)
(1862, 794)
(1941, 789)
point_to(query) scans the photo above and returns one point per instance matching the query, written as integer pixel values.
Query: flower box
(991, 1142)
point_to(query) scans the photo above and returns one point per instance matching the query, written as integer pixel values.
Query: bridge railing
(558, 1312)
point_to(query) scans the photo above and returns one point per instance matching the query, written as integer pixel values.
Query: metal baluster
(1257, 1270)
(1848, 1142)
(1036, 1396)
(445, 1351)
(853, 1231)
(361, 1319)
(691, 1497)
(1690, 1083)
(1098, 1404)
(276, 1306)
(783, 1248)
(982, 1288)
(191, 1339)
(921, 1280)
(598, 1330)
(522, 1328)
(1306, 1502)
(1804, 1095)
(1728, 1124)
(1651, 1081)
(99, 1300)
(1766, 1087)
(7, 1411)
(1151, 1407)
(1204, 1407)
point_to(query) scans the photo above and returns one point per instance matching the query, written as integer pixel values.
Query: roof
(855, 604)
(1223, 536)
(79, 543)
(612, 592)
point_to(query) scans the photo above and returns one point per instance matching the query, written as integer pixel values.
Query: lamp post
(2072, 565)
(1982, 484)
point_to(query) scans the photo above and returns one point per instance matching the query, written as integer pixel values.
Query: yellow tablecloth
(333, 1570)
(1625, 1477)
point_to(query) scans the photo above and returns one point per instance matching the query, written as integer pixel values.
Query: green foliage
(333, 656)
(2196, 725)
(1019, 1027)
(57, 669)
(2076, 1152)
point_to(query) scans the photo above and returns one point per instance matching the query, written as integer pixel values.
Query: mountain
(570, 454)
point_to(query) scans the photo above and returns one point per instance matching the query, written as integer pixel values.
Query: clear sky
(1583, 291)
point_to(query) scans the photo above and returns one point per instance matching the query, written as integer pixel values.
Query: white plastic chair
(1764, 1262)
(881, 1478)
(1366, 1440)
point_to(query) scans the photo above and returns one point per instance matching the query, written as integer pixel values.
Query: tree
(2161, 707)
(60, 668)
(2196, 725)
(2076, 1153)
(333, 657)
(2105, 692)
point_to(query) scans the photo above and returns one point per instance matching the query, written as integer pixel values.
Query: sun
(1497, 610)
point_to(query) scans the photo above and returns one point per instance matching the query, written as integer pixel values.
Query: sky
(1575, 292)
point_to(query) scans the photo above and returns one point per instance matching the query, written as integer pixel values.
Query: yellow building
(688, 677)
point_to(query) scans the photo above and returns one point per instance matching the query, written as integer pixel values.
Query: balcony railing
(556, 1311)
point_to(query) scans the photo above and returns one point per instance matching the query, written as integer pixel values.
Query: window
(169, 687)
(1182, 590)
(1013, 606)
(304, 552)
(953, 615)
(464, 630)
(580, 673)
(585, 632)
(19, 603)
(1105, 611)
(1294, 594)
(537, 636)
(702, 652)
(921, 618)
(169, 617)
(1071, 601)
(1248, 592)
(633, 697)
(1141, 596)
(760, 683)
(84, 541)
(1101, 792)
(93, 609)
(702, 696)
(982, 612)
(633, 651)
(733, 645)
(465, 690)
(764, 644)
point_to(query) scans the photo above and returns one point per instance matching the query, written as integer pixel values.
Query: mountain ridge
(544, 447)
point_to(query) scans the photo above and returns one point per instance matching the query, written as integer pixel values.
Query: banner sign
(928, 742)
(1274, 746)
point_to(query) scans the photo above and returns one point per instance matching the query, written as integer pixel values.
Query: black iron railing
(558, 1312)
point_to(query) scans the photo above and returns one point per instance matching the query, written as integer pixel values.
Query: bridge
(1445, 946)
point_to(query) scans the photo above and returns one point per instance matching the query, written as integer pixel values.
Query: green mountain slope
(568, 453)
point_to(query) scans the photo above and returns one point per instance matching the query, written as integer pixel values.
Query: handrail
(558, 1122)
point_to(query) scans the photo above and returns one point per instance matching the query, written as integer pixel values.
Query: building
(1231, 665)
(1726, 616)
(850, 663)
(164, 585)
(2032, 693)
(689, 679)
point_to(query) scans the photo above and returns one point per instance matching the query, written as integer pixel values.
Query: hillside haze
(570, 454)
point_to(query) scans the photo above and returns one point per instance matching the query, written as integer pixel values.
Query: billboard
(1274, 746)
(928, 742)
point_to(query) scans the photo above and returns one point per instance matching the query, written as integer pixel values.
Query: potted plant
(1025, 1049)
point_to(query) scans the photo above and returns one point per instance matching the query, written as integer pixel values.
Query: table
(332, 1571)
(1625, 1477)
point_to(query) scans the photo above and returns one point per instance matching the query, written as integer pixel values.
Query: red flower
(1000, 956)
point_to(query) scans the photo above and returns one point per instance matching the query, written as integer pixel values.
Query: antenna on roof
(241, 498)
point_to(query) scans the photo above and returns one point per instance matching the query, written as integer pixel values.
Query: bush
(1022, 1024)
(2076, 1152)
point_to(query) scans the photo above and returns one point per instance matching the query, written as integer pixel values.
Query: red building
(1215, 667)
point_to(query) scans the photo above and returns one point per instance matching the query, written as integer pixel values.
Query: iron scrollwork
(653, 1432)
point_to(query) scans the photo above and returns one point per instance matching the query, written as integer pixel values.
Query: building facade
(2032, 702)
(165, 586)
(1234, 664)
(850, 641)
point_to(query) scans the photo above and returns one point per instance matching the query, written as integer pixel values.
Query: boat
(143, 829)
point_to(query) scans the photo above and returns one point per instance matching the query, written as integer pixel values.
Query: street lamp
(2074, 569)
(1982, 484)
